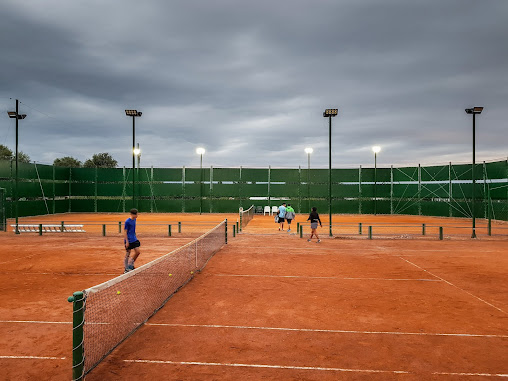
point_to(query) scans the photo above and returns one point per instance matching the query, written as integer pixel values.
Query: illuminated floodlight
(376, 149)
(309, 150)
(330, 112)
(133, 113)
(137, 151)
(200, 151)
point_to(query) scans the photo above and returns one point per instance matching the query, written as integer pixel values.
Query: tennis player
(314, 219)
(130, 241)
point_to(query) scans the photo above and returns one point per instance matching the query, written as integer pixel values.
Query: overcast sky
(249, 80)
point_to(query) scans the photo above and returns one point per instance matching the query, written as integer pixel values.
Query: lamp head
(474, 110)
(136, 151)
(309, 150)
(330, 112)
(200, 151)
(376, 149)
(133, 113)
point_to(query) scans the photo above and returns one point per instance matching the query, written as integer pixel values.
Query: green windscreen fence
(3, 217)
(440, 190)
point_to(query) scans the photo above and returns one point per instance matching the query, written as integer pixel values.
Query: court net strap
(118, 307)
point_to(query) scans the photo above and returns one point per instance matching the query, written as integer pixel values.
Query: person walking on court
(314, 219)
(282, 215)
(130, 241)
(290, 215)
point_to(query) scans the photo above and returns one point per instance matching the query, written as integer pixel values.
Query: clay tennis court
(270, 305)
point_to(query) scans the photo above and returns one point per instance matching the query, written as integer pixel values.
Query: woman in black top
(314, 219)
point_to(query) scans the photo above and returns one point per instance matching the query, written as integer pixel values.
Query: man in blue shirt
(282, 215)
(130, 241)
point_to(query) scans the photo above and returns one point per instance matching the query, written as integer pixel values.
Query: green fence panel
(284, 190)
(61, 189)
(497, 170)
(168, 206)
(435, 191)
(167, 174)
(435, 173)
(285, 175)
(343, 175)
(343, 191)
(319, 176)
(226, 190)
(83, 189)
(113, 189)
(405, 174)
(31, 208)
(194, 174)
(83, 205)
(29, 189)
(25, 170)
(255, 174)
(62, 173)
(434, 208)
(109, 175)
(113, 206)
(405, 190)
(45, 171)
(83, 174)
(254, 190)
(61, 206)
(345, 206)
(5, 169)
(194, 190)
(463, 172)
(380, 190)
(319, 190)
(167, 190)
(227, 174)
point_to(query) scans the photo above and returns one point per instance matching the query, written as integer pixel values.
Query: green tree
(7, 154)
(101, 160)
(67, 161)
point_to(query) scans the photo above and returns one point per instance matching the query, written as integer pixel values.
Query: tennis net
(246, 216)
(115, 309)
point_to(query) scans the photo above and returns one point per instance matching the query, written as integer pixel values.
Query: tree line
(101, 160)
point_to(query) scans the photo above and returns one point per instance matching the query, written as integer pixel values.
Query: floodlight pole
(375, 182)
(201, 184)
(133, 114)
(15, 115)
(308, 180)
(474, 111)
(329, 113)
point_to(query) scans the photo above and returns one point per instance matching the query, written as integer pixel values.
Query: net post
(301, 231)
(423, 229)
(169, 230)
(179, 227)
(62, 227)
(360, 228)
(297, 227)
(440, 233)
(226, 230)
(40, 229)
(119, 226)
(237, 226)
(104, 230)
(234, 231)
(78, 359)
(370, 232)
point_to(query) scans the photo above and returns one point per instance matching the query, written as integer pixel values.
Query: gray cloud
(249, 81)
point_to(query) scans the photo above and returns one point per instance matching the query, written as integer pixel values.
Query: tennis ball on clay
(118, 292)
(170, 274)
(192, 272)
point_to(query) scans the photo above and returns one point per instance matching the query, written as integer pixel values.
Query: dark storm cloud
(249, 80)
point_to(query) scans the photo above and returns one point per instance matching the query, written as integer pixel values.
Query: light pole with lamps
(330, 113)
(376, 150)
(200, 151)
(134, 114)
(474, 111)
(308, 151)
(17, 116)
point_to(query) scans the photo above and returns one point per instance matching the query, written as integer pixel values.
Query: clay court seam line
(265, 366)
(320, 277)
(451, 284)
(33, 357)
(326, 330)
(308, 368)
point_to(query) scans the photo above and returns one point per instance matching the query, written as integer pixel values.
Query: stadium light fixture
(133, 114)
(200, 151)
(16, 115)
(376, 150)
(474, 111)
(330, 113)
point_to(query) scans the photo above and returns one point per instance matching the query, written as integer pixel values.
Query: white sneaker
(289, 230)
(318, 241)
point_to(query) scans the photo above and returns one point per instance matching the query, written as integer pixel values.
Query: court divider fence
(441, 190)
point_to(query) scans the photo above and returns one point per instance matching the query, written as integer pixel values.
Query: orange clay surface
(270, 305)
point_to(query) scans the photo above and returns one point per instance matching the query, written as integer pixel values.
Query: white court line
(35, 322)
(321, 277)
(32, 357)
(451, 284)
(58, 273)
(266, 366)
(326, 330)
